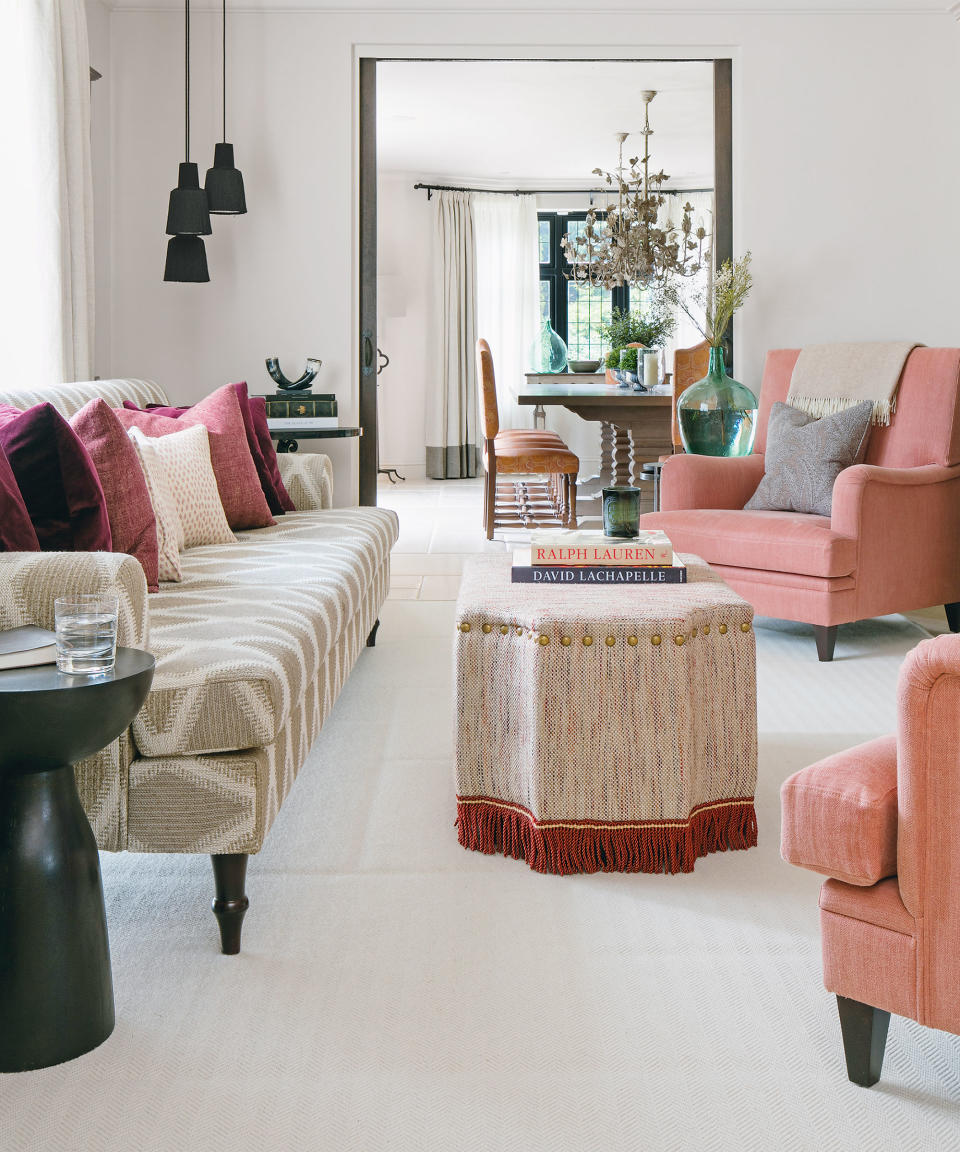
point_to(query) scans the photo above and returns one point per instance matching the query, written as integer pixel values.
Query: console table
(56, 987)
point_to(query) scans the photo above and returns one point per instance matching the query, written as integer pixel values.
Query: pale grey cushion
(805, 455)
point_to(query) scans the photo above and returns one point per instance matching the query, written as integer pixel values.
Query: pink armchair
(892, 543)
(881, 821)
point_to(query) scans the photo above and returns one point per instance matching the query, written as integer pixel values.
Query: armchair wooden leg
(826, 637)
(864, 1030)
(230, 903)
(953, 616)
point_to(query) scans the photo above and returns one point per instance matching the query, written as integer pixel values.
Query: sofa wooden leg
(372, 638)
(230, 903)
(864, 1030)
(953, 616)
(826, 637)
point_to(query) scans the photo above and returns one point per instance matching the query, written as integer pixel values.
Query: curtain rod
(431, 188)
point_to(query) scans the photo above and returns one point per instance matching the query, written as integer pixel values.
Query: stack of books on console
(564, 557)
(301, 412)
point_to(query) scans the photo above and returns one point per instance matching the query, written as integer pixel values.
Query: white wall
(405, 235)
(833, 116)
(98, 33)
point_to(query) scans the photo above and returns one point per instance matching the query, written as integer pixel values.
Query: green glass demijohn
(549, 350)
(717, 415)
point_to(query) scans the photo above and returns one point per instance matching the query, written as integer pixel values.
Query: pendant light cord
(224, 71)
(186, 77)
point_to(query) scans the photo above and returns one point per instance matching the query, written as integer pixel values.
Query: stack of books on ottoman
(563, 557)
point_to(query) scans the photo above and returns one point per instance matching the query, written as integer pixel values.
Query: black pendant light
(188, 217)
(224, 182)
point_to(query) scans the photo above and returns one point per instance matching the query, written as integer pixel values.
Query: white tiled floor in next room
(440, 521)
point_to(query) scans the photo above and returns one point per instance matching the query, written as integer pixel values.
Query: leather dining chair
(522, 453)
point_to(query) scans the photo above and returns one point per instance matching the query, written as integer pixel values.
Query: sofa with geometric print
(252, 649)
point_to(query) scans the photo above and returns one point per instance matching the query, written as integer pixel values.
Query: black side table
(56, 988)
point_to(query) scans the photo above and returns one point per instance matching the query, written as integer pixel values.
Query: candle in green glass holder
(621, 512)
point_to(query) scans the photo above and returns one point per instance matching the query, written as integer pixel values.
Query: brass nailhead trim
(587, 641)
(487, 628)
(706, 629)
(464, 627)
(744, 627)
(565, 641)
(611, 640)
(655, 640)
(544, 638)
(722, 629)
(504, 629)
(693, 633)
(519, 631)
(632, 641)
(678, 640)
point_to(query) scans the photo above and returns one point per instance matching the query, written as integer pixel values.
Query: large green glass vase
(717, 415)
(549, 351)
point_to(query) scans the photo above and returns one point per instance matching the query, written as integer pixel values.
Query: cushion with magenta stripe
(57, 478)
(839, 816)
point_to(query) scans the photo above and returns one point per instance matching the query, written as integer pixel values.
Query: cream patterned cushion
(169, 527)
(185, 458)
(240, 642)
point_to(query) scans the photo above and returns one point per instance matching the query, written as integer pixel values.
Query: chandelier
(628, 246)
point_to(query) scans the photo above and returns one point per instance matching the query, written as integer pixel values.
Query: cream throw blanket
(832, 377)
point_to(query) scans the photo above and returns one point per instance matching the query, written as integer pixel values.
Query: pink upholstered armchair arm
(866, 491)
(709, 481)
(928, 778)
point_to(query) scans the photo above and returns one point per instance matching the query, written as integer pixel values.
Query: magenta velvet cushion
(264, 475)
(237, 480)
(133, 526)
(16, 531)
(258, 411)
(839, 816)
(57, 479)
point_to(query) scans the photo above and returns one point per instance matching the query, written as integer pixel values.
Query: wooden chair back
(689, 366)
(488, 390)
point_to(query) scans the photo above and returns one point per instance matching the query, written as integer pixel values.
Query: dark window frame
(557, 273)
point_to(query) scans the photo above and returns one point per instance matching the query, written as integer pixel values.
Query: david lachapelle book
(524, 572)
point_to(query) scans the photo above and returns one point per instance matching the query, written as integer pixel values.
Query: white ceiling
(541, 124)
(668, 6)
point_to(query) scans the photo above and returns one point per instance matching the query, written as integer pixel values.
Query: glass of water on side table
(86, 633)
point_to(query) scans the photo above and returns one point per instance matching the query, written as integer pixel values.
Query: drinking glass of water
(86, 633)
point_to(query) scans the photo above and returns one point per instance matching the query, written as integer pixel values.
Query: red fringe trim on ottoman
(569, 846)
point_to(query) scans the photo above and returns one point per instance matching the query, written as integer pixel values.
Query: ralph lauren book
(523, 572)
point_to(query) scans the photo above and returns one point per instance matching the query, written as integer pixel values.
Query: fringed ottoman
(609, 728)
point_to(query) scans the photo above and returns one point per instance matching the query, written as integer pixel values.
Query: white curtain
(46, 194)
(453, 414)
(508, 290)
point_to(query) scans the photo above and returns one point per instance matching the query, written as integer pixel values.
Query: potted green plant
(650, 329)
(629, 358)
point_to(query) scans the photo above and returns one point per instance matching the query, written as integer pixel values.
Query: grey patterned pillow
(805, 455)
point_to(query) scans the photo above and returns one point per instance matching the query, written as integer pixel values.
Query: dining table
(635, 427)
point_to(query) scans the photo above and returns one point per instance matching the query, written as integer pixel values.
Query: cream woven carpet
(397, 992)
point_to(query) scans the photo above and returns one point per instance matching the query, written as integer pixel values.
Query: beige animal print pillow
(185, 457)
(169, 528)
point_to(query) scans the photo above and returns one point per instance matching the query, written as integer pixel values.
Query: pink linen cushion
(133, 526)
(57, 479)
(839, 816)
(258, 411)
(16, 532)
(264, 472)
(240, 492)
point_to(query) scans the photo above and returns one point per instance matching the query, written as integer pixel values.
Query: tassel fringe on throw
(570, 846)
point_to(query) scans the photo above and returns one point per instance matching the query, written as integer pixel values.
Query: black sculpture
(301, 385)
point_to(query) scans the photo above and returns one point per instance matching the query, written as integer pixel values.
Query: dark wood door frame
(368, 281)
(722, 245)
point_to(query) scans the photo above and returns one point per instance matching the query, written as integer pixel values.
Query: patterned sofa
(252, 650)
